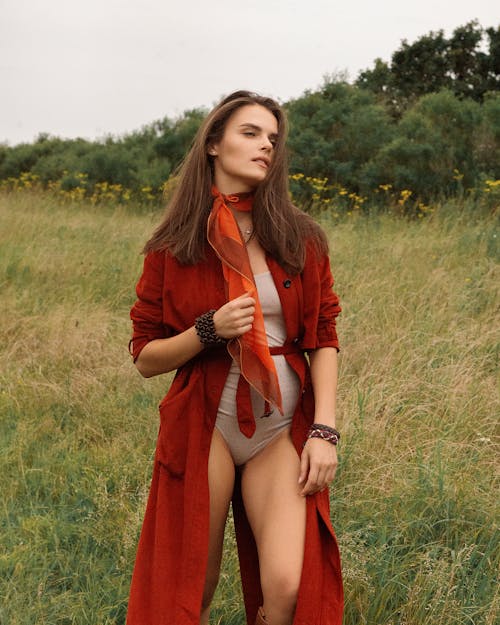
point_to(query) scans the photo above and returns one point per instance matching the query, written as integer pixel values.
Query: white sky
(93, 67)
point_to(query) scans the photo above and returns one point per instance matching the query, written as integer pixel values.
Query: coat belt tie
(246, 419)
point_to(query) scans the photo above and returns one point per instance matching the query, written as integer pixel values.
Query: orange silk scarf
(250, 351)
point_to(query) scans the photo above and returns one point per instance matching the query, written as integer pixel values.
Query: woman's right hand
(236, 317)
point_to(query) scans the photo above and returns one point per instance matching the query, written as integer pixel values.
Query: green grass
(415, 501)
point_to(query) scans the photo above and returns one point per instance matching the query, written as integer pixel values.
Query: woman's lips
(263, 162)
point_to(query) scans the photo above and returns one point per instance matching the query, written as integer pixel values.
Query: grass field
(415, 501)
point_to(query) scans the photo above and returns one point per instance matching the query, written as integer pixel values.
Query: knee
(281, 589)
(211, 582)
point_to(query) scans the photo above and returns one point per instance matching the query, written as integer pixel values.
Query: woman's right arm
(166, 354)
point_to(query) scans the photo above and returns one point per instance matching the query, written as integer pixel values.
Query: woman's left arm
(319, 457)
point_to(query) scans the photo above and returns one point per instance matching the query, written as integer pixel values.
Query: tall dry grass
(415, 502)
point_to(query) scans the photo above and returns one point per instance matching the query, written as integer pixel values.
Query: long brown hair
(280, 227)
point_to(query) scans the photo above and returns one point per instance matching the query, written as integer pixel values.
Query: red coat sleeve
(329, 308)
(147, 312)
(320, 303)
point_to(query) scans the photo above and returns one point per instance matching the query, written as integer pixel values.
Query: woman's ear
(211, 151)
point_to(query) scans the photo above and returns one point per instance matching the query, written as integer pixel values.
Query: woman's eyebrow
(257, 129)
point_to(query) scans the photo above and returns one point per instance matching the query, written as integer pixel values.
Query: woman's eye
(249, 133)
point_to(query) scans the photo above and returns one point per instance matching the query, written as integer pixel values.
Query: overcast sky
(92, 67)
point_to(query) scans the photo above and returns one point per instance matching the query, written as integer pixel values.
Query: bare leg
(221, 483)
(277, 515)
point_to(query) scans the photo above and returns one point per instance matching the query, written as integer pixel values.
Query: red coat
(169, 573)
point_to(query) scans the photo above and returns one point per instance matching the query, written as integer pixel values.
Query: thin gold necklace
(246, 234)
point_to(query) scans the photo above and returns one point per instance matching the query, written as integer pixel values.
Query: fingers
(243, 300)
(235, 317)
(313, 485)
(304, 466)
(318, 466)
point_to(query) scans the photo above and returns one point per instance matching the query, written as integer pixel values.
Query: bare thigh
(277, 515)
(220, 483)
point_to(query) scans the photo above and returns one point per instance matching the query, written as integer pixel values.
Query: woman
(236, 288)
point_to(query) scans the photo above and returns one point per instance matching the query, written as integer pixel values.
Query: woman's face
(243, 156)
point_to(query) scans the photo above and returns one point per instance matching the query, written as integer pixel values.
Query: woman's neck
(232, 187)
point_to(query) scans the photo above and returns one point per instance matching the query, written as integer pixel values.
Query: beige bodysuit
(241, 447)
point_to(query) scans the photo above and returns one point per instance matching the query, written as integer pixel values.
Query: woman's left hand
(318, 464)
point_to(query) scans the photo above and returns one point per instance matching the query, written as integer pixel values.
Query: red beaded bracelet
(325, 432)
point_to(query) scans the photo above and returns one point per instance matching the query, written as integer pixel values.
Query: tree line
(427, 121)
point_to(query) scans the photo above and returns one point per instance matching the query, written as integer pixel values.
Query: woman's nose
(266, 144)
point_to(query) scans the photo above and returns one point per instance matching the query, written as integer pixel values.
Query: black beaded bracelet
(205, 329)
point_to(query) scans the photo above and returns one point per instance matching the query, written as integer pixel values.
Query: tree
(433, 152)
(492, 60)
(420, 67)
(176, 137)
(486, 139)
(466, 62)
(334, 132)
(433, 63)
